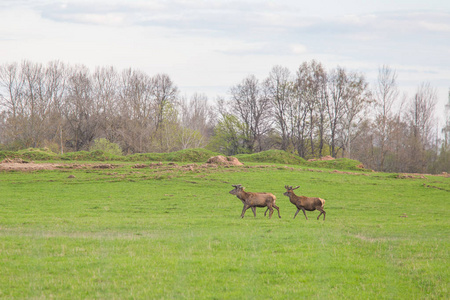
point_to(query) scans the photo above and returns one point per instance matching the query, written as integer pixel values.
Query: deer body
(253, 200)
(305, 203)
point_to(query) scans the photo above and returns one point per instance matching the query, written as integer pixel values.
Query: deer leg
(244, 210)
(296, 213)
(254, 211)
(278, 209)
(304, 212)
(266, 212)
(271, 212)
(319, 215)
(321, 212)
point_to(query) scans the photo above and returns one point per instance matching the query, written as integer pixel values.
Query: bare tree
(12, 101)
(105, 85)
(386, 94)
(252, 107)
(446, 129)
(298, 117)
(77, 109)
(311, 83)
(197, 114)
(279, 88)
(56, 85)
(420, 117)
(165, 94)
(335, 101)
(356, 101)
(196, 120)
(164, 99)
(137, 111)
(35, 103)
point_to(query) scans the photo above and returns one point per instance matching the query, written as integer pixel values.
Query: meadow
(141, 230)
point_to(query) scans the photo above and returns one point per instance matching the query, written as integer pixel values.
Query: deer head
(237, 189)
(289, 190)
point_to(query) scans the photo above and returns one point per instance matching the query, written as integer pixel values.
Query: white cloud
(217, 43)
(437, 27)
(298, 49)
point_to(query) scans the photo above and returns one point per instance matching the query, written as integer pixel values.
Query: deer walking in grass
(305, 203)
(253, 200)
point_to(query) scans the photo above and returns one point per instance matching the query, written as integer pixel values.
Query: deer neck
(242, 195)
(293, 198)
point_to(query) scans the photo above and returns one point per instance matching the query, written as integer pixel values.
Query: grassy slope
(151, 233)
(187, 155)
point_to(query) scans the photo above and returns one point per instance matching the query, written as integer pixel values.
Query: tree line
(313, 112)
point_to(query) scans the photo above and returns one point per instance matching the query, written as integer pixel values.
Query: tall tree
(252, 106)
(165, 98)
(137, 110)
(420, 117)
(197, 121)
(356, 101)
(386, 94)
(165, 94)
(56, 85)
(311, 82)
(78, 109)
(335, 103)
(105, 83)
(279, 88)
(13, 102)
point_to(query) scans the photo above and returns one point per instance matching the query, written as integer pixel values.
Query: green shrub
(106, 146)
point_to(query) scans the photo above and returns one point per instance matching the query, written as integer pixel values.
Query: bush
(106, 146)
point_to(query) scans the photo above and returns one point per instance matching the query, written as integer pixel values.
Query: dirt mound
(25, 166)
(21, 165)
(328, 157)
(223, 160)
(13, 161)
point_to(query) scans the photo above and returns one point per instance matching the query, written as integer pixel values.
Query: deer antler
(295, 188)
(236, 186)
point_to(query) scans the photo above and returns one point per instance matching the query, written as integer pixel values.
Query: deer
(305, 203)
(254, 200)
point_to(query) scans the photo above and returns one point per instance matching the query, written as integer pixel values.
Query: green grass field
(175, 233)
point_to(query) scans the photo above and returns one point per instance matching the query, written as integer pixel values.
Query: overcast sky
(209, 46)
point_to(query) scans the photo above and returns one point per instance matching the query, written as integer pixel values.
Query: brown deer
(305, 203)
(253, 200)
